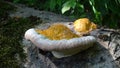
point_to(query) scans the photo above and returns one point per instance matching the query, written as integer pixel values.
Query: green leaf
(117, 2)
(16, 1)
(81, 7)
(69, 4)
(59, 2)
(52, 5)
(65, 8)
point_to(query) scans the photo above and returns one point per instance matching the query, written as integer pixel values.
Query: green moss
(5, 8)
(11, 34)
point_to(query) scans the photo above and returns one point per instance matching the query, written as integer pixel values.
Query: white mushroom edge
(60, 48)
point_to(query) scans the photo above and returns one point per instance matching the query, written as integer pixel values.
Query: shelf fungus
(84, 26)
(60, 40)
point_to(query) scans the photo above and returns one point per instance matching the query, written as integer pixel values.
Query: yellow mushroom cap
(84, 25)
(57, 32)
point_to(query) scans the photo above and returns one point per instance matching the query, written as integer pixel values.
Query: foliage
(103, 12)
(67, 5)
(106, 12)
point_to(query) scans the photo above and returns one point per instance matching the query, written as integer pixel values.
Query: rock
(111, 39)
(50, 17)
(112, 42)
(114, 45)
(94, 57)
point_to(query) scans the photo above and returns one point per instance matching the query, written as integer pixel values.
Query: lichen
(57, 32)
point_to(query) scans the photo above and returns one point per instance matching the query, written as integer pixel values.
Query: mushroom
(84, 26)
(60, 48)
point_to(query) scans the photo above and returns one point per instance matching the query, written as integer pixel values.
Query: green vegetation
(11, 35)
(102, 12)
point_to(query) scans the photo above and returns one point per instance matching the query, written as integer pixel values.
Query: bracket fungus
(60, 40)
(57, 31)
(84, 26)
